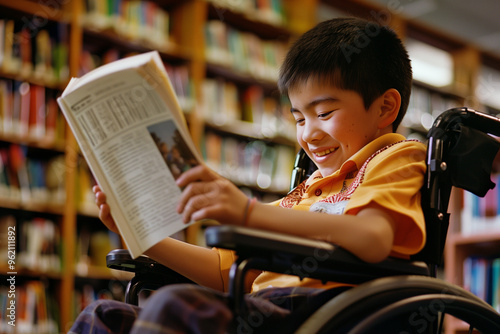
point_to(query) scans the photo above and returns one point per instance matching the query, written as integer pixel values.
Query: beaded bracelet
(248, 210)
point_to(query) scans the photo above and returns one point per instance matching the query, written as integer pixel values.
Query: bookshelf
(206, 52)
(34, 68)
(84, 35)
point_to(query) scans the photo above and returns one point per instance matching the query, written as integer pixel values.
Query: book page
(135, 148)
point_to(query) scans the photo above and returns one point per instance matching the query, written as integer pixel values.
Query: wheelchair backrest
(460, 153)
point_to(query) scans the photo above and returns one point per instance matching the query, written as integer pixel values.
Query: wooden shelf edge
(248, 22)
(251, 131)
(9, 203)
(483, 237)
(171, 51)
(25, 272)
(33, 79)
(241, 77)
(99, 272)
(42, 143)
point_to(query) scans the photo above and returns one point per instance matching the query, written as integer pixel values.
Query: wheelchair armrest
(149, 274)
(305, 257)
(120, 259)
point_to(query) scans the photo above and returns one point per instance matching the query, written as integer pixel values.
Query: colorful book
(37, 113)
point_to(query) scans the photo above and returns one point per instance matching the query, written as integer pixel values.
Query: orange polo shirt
(388, 171)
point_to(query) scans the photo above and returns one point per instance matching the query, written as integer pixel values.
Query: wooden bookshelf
(185, 48)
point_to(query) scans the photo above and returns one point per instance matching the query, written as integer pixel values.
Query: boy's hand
(207, 195)
(104, 212)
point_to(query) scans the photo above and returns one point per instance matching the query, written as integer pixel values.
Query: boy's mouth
(325, 152)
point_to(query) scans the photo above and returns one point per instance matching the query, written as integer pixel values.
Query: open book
(127, 120)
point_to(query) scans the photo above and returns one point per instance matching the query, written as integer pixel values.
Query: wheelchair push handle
(469, 117)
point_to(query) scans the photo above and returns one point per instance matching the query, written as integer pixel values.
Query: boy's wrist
(248, 210)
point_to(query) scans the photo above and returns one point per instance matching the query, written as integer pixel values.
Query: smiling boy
(365, 195)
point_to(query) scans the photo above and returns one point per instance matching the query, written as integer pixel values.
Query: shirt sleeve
(226, 260)
(393, 181)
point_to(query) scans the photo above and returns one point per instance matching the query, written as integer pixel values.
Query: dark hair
(352, 54)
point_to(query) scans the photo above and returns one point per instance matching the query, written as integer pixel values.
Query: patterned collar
(295, 196)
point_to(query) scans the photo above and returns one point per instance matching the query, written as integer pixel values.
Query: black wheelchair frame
(460, 154)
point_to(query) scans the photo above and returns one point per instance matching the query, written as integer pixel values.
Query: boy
(348, 81)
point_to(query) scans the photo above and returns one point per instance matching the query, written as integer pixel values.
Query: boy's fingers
(195, 205)
(197, 173)
(193, 189)
(105, 216)
(104, 212)
(100, 198)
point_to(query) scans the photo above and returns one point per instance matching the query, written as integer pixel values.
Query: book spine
(481, 214)
(481, 276)
(6, 107)
(2, 41)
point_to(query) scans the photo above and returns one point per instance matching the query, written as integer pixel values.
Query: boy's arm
(197, 263)
(371, 242)
(207, 195)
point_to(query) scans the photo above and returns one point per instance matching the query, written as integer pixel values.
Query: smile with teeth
(325, 152)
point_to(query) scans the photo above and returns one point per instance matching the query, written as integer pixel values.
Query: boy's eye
(299, 120)
(325, 114)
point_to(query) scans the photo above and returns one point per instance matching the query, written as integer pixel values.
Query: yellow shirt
(388, 171)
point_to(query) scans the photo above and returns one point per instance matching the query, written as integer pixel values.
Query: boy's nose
(311, 133)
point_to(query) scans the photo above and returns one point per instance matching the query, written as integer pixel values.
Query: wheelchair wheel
(344, 312)
(480, 318)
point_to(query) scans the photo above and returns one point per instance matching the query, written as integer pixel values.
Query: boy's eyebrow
(315, 102)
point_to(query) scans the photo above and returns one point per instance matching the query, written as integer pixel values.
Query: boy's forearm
(369, 235)
(199, 264)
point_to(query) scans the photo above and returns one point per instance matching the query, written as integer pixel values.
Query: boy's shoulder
(390, 144)
(399, 153)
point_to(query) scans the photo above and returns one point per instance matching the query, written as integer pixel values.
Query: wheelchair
(460, 154)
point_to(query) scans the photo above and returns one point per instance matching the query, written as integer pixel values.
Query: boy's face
(332, 124)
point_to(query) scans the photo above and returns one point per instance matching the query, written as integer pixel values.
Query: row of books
(34, 48)
(482, 278)
(37, 244)
(487, 87)
(250, 163)
(92, 248)
(90, 61)
(30, 112)
(224, 103)
(135, 20)
(84, 196)
(31, 180)
(481, 214)
(35, 309)
(268, 11)
(243, 52)
(425, 105)
(178, 74)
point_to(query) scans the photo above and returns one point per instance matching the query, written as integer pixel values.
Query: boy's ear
(389, 107)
